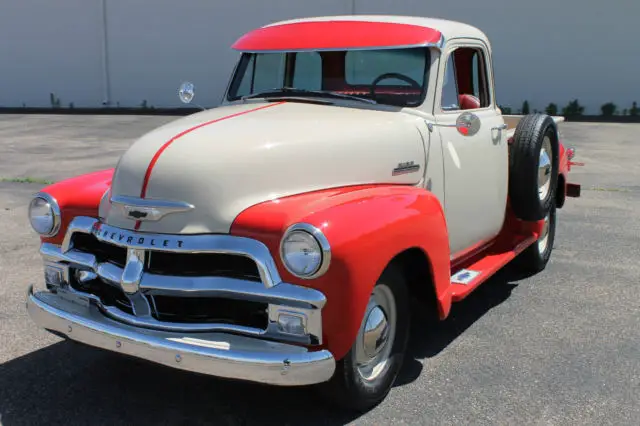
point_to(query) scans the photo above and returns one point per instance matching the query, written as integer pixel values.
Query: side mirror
(186, 92)
(468, 124)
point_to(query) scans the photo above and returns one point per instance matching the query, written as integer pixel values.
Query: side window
(466, 74)
(308, 71)
(479, 78)
(450, 87)
(475, 76)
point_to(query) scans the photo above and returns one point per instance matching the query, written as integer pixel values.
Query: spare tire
(533, 167)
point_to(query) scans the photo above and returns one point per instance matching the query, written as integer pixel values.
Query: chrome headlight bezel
(54, 210)
(323, 247)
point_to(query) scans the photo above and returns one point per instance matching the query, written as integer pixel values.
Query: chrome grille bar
(164, 285)
(223, 244)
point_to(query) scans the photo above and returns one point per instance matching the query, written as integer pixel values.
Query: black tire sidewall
(524, 159)
(544, 257)
(347, 387)
(531, 260)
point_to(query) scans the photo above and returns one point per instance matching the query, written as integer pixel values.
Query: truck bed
(513, 120)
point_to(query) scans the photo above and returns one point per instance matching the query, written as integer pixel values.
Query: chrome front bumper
(217, 354)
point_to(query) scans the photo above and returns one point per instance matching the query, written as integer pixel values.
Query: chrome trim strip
(232, 288)
(148, 209)
(221, 355)
(52, 253)
(198, 243)
(55, 208)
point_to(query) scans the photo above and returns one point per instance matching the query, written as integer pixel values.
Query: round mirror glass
(186, 92)
(468, 124)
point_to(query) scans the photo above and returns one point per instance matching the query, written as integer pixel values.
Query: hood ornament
(148, 210)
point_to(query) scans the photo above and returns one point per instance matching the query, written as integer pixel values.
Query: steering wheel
(398, 76)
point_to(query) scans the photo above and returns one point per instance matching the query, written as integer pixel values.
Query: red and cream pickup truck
(356, 166)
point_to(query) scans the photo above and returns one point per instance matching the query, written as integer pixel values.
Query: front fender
(367, 226)
(78, 196)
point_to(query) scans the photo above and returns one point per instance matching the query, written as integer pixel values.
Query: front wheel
(364, 377)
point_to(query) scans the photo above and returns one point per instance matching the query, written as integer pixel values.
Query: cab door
(474, 146)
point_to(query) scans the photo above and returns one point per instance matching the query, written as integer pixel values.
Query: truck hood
(224, 160)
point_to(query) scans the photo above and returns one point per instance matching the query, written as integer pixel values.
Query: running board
(465, 280)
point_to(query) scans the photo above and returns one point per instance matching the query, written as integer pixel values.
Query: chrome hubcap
(544, 168)
(375, 339)
(543, 241)
(376, 332)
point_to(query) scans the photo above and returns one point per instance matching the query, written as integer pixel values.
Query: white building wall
(50, 46)
(544, 50)
(154, 45)
(548, 50)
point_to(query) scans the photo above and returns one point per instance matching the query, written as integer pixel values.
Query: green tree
(525, 107)
(573, 109)
(634, 111)
(55, 101)
(551, 109)
(505, 109)
(608, 109)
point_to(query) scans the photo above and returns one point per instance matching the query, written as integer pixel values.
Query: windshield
(388, 76)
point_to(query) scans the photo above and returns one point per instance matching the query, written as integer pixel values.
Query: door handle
(500, 127)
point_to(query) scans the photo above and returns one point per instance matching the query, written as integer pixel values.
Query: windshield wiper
(293, 91)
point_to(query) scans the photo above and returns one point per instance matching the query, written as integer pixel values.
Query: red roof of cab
(336, 35)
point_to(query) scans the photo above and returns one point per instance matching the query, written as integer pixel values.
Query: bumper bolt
(178, 358)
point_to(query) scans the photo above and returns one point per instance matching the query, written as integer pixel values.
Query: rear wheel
(366, 374)
(535, 258)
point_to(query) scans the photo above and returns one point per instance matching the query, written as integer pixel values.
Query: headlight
(44, 214)
(305, 251)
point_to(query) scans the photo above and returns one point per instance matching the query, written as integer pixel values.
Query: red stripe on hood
(154, 160)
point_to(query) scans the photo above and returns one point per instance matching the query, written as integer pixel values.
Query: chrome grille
(185, 283)
(176, 308)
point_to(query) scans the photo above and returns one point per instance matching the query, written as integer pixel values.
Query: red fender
(367, 226)
(78, 196)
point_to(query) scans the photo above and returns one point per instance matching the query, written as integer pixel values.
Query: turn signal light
(291, 324)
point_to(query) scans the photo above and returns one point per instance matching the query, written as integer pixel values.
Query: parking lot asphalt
(558, 348)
